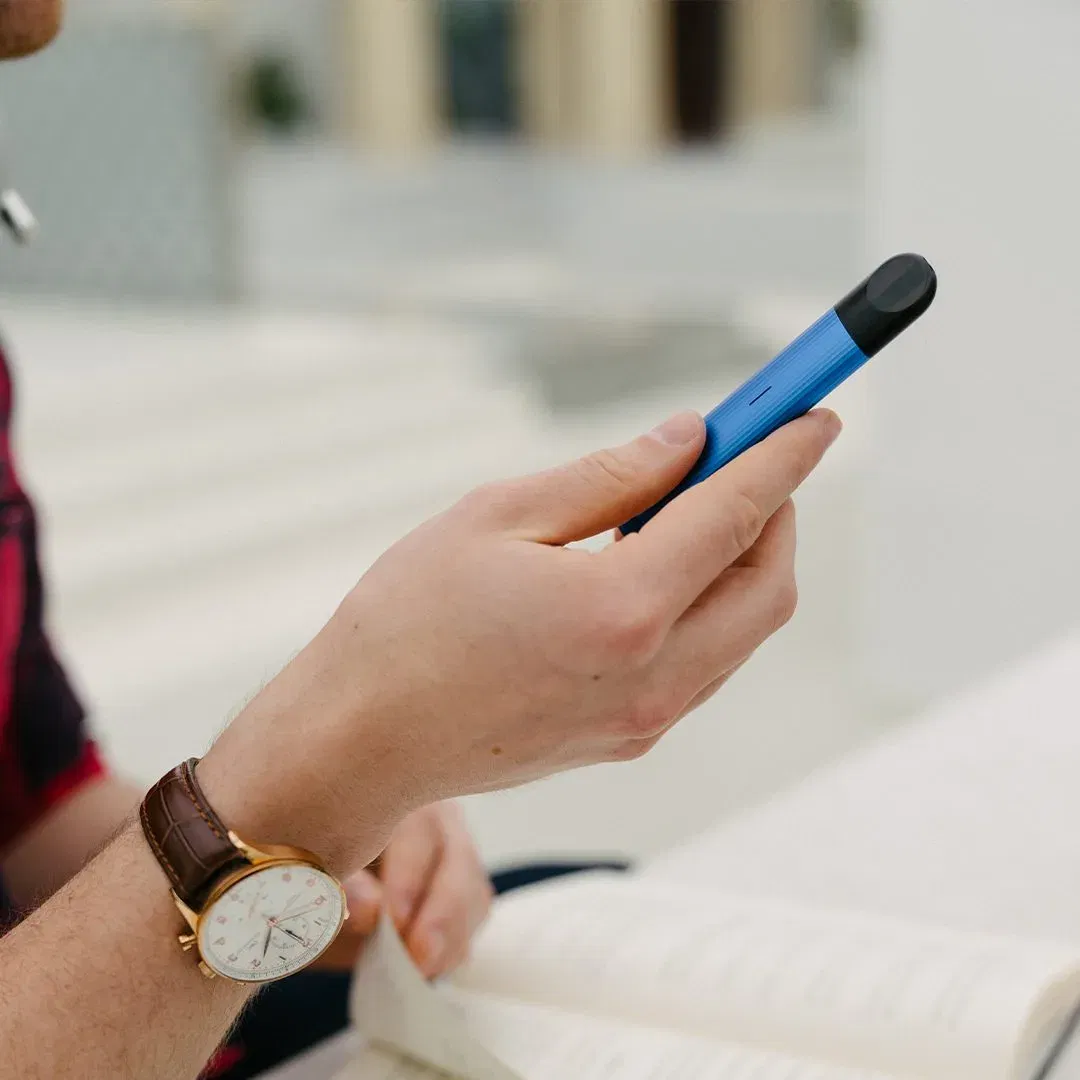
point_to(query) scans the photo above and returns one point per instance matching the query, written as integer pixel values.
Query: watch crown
(187, 941)
(206, 970)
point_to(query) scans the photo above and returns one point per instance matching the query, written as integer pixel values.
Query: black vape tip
(888, 301)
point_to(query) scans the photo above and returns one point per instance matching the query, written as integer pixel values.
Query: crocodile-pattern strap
(190, 841)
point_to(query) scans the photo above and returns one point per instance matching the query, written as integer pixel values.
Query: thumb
(603, 489)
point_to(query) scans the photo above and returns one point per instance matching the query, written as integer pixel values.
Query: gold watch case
(258, 859)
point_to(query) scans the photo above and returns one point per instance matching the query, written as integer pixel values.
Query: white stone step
(240, 515)
(224, 625)
(137, 472)
(160, 445)
(85, 373)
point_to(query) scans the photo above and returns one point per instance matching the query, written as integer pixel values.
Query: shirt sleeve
(46, 752)
(54, 752)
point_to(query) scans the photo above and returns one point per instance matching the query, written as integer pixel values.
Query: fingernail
(434, 949)
(679, 430)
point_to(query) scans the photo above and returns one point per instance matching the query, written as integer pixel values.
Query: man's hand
(481, 652)
(436, 889)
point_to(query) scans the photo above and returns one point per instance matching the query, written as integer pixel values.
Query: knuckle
(616, 626)
(646, 717)
(803, 457)
(745, 520)
(493, 500)
(633, 632)
(632, 749)
(607, 471)
(785, 600)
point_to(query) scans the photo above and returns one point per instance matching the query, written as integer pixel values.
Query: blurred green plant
(845, 18)
(275, 96)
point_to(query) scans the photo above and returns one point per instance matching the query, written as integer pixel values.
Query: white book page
(549, 1044)
(867, 993)
(394, 1006)
(965, 817)
(476, 1037)
(374, 1063)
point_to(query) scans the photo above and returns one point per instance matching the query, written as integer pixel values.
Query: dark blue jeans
(291, 1016)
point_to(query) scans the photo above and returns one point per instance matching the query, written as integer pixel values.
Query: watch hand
(292, 900)
(292, 935)
(266, 943)
(297, 914)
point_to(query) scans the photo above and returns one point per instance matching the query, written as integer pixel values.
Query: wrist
(299, 807)
(297, 767)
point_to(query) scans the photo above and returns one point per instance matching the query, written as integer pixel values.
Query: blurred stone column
(780, 57)
(619, 63)
(543, 62)
(393, 73)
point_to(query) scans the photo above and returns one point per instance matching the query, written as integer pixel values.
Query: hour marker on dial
(286, 876)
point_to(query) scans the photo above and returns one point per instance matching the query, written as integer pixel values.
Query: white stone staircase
(211, 486)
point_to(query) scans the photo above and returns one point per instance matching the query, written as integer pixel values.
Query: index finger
(697, 536)
(409, 864)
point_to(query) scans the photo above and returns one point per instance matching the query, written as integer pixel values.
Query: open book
(610, 978)
(961, 819)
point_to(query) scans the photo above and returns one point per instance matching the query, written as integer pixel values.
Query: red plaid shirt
(45, 753)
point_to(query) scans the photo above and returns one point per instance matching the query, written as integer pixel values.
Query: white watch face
(271, 923)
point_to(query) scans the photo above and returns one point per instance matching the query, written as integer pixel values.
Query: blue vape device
(814, 364)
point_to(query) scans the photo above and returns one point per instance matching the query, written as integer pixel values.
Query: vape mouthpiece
(888, 301)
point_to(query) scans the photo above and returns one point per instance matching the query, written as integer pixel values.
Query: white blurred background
(309, 271)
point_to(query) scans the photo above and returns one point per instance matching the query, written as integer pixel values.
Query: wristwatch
(254, 914)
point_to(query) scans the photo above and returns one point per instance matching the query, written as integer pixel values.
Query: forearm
(94, 983)
(61, 844)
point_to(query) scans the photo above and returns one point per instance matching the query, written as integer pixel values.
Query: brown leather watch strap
(190, 841)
